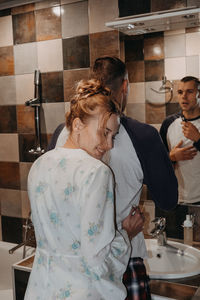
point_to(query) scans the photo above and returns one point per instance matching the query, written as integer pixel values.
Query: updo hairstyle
(89, 95)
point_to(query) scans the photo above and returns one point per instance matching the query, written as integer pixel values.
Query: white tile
(67, 107)
(24, 88)
(75, 19)
(148, 208)
(174, 32)
(69, 1)
(192, 66)
(193, 43)
(6, 32)
(175, 68)
(100, 12)
(136, 111)
(170, 45)
(54, 114)
(136, 92)
(9, 150)
(8, 90)
(151, 95)
(50, 56)
(25, 56)
(157, 126)
(45, 4)
(26, 208)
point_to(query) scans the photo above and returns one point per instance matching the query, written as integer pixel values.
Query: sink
(163, 263)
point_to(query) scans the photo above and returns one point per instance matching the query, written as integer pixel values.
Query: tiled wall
(62, 38)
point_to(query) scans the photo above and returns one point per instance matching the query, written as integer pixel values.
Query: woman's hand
(134, 222)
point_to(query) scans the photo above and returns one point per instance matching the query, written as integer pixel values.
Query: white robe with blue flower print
(79, 253)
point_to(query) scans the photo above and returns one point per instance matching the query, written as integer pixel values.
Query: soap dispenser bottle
(188, 230)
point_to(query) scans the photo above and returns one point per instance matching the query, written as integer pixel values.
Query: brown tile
(196, 230)
(135, 71)
(8, 120)
(134, 48)
(136, 111)
(172, 108)
(24, 168)
(9, 175)
(9, 150)
(71, 77)
(25, 119)
(165, 5)
(48, 24)
(12, 229)
(155, 114)
(76, 52)
(10, 203)
(104, 43)
(52, 87)
(175, 84)
(22, 9)
(6, 61)
(192, 29)
(154, 48)
(154, 70)
(24, 28)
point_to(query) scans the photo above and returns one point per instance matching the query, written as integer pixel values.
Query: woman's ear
(77, 125)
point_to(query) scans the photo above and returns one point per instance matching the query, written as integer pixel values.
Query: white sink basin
(164, 263)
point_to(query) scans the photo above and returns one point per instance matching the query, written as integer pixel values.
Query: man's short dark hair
(191, 78)
(110, 70)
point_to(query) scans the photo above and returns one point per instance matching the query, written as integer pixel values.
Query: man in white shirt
(181, 135)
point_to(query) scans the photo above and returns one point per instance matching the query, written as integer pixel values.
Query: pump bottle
(188, 230)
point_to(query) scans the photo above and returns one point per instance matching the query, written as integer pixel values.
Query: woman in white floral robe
(79, 253)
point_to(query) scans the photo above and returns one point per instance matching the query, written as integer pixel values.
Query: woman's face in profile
(97, 136)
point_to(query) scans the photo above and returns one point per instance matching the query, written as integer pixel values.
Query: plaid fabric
(136, 280)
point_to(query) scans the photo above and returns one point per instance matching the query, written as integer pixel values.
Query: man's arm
(158, 171)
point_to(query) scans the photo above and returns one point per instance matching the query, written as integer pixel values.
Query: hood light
(189, 16)
(130, 26)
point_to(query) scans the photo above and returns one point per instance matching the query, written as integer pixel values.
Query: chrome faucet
(36, 103)
(29, 237)
(160, 234)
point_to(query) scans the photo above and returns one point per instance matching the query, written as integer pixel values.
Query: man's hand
(185, 153)
(190, 131)
(134, 222)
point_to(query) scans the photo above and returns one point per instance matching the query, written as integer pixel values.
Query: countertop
(179, 289)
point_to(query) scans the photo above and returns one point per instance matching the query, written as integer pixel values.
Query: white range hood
(158, 21)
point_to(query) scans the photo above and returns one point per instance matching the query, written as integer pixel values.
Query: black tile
(28, 142)
(21, 281)
(52, 87)
(134, 49)
(172, 108)
(12, 229)
(174, 220)
(76, 52)
(154, 70)
(130, 7)
(159, 5)
(8, 119)
(5, 12)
